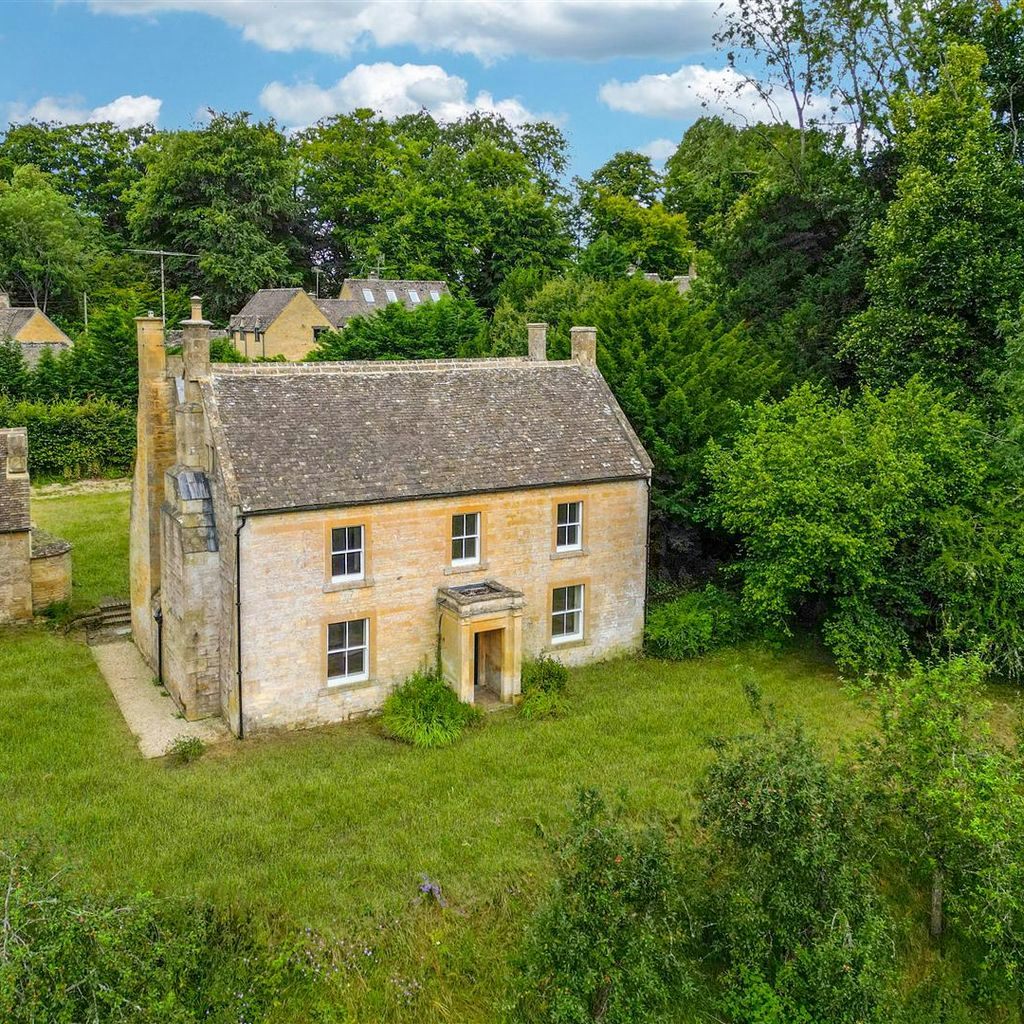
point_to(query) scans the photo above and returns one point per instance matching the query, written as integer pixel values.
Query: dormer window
(368, 295)
(414, 296)
(569, 526)
(435, 295)
(392, 295)
(466, 538)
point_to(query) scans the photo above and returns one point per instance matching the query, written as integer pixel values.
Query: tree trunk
(937, 894)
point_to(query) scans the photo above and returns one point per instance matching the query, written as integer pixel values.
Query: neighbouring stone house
(303, 537)
(32, 329)
(286, 321)
(35, 568)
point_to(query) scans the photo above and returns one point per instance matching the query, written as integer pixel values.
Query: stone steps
(110, 622)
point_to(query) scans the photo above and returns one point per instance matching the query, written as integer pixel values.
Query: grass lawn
(335, 828)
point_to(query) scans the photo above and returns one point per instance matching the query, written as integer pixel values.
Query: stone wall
(288, 599)
(51, 571)
(15, 576)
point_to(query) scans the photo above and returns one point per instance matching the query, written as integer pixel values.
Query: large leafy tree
(227, 193)
(471, 202)
(93, 164)
(45, 244)
(949, 253)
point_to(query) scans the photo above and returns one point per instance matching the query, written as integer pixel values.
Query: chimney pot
(584, 345)
(537, 341)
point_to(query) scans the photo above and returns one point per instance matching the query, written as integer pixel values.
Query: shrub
(606, 945)
(693, 624)
(544, 680)
(69, 956)
(426, 712)
(68, 439)
(185, 749)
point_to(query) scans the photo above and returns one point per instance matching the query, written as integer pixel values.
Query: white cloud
(487, 29)
(694, 90)
(126, 111)
(659, 150)
(392, 89)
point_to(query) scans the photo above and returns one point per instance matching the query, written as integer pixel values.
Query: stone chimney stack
(584, 345)
(537, 340)
(195, 351)
(17, 452)
(5, 300)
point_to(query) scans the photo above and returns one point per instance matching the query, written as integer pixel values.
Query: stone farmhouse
(32, 329)
(286, 321)
(35, 568)
(305, 536)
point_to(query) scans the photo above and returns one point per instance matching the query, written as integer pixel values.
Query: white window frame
(466, 534)
(391, 294)
(573, 508)
(347, 649)
(577, 610)
(435, 295)
(346, 551)
(368, 296)
(414, 296)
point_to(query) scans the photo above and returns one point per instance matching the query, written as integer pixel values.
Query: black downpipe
(238, 621)
(159, 616)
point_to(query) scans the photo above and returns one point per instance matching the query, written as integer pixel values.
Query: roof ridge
(277, 369)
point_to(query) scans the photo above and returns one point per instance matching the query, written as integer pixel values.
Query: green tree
(793, 910)
(437, 330)
(844, 510)
(44, 243)
(226, 192)
(949, 254)
(94, 165)
(14, 373)
(949, 797)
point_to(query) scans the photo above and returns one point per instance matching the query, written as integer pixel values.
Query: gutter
(238, 621)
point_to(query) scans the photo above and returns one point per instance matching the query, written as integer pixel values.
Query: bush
(69, 956)
(606, 944)
(185, 749)
(693, 624)
(544, 680)
(426, 712)
(68, 439)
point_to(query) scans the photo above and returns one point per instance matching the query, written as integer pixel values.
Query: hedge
(71, 439)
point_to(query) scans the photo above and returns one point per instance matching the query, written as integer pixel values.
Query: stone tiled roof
(263, 308)
(319, 435)
(340, 311)
(12, 319)
(356, 289)
(14, 492)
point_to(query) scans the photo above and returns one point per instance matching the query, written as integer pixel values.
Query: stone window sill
(570, 553)
(455, 570)
(334, 689)
(336, 586)
(552, 648)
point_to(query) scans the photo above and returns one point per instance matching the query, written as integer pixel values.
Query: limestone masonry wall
(15, 576)
(288, 599)
(51, 577)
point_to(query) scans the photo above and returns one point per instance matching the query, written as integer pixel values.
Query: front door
(487, 646)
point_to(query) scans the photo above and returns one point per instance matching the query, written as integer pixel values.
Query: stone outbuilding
(305, 536)
(35, 568)
(34, 332)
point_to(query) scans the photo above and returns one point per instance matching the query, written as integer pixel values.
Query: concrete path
(151, 714)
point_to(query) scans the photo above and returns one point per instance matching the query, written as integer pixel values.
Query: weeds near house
(426, 712)
(544, 682)
(184, 750)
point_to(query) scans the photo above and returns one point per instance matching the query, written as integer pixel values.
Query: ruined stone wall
(288, 599)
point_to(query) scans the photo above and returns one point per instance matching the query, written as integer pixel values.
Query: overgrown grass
(337, 828)
(97, 527)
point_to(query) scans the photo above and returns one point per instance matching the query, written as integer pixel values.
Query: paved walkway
(151, 714)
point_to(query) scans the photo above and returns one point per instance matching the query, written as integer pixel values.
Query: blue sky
(614, 75)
